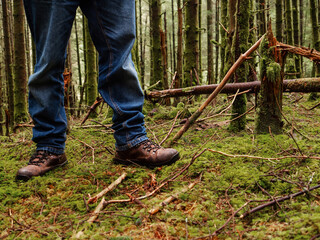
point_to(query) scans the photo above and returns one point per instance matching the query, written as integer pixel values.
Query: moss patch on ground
(53, 206)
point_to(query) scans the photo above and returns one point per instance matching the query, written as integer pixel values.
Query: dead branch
(96, 212)
(197, 114)
(92, 108)
(304, 85)
(280, 199)
(312, 54)
(172, 198)
(107, 189)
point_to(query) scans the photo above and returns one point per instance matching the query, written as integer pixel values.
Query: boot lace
(150, 146)
(38, 158)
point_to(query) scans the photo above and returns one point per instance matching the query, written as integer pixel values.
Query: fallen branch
(277, 200)
(107, 189)
(92, 108)
(171, 129)
(172, 198)
(196, 115)
(305, 85)
(86, 144)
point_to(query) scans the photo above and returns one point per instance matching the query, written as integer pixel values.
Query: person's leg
(112, 28)
(50, 22)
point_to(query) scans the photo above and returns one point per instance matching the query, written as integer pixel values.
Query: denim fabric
(112, 29)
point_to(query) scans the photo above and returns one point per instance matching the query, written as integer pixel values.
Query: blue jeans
(112, 29)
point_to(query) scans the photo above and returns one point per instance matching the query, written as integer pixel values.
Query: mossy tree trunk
(223, 34)
(8, 59)
(290, 62)
(157, 72)
(210, 70)
(91, 67)
(301, 21)
(179, 78)
(315, 31)
(240, 45)
(217, 33)
(279, 17)
(20, 72)
(261, 17)
(296, 39)
(268, 111)
(191, 51)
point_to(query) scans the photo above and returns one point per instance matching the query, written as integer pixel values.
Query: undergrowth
(53, 206)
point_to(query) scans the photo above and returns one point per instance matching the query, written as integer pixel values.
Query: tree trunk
(315, 31)
(240, 45)
(217, 33)
(1, 99)
(91, 66)
(191, 51)
(290, 62)
(8, 59)
(179, 78)
(157, 71)
(268, 113)
(279, 17)
(296, 39)
(173, 37)
(210, 75)
(20, 72)
(224, 36)
(301, 16)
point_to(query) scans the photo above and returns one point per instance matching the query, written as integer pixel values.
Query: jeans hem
(51, 150)
(131, 143)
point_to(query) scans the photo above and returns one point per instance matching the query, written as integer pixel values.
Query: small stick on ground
(96, 212)
(108, 189)
(281, 199)
(172, 198)
(86, 144)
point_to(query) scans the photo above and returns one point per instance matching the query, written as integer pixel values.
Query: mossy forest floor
(53, 206)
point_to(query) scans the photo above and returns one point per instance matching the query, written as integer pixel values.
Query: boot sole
(27, 177)
(131, 162)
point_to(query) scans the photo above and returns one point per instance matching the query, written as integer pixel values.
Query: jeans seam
(110, 56)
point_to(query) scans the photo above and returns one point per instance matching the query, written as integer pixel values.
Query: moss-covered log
(302, 85)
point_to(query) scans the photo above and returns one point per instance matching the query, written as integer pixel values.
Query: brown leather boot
(40, 163)
(148, 154)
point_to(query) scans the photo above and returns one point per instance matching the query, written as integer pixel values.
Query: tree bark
(8, 59)
(223, 33)
(315, 31)
(240, 45)
(179, 78)
(191, 52)
(302, 85)
(20, 72)
(296, 39)
(279, 17)
(210, 74)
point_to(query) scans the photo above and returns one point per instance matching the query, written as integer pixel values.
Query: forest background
(233, 158)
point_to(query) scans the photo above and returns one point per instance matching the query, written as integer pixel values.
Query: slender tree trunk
(179, 78)
(191, 51)
(210, 45)
(20, 72)
(91, 66)
(290, 62)
(1, 99)
(8, 59)
(296, 39)
(199, 73)
(279, 17)
(164, 51)
(173, 37)
(315, 31)
(223, 33)
(142, 65)
(157, 70)
(301, 16)
(262, 23)
(239, 46)
(217, 33)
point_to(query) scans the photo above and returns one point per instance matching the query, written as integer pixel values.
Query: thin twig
(86, 144)
(171, 129)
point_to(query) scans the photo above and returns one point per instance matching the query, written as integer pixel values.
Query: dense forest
(242, 75)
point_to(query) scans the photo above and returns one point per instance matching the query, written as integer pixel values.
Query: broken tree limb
(107, 189)
(231, 71)
(171, 198)
(92, 108)
(277, 200)
(304, 85)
